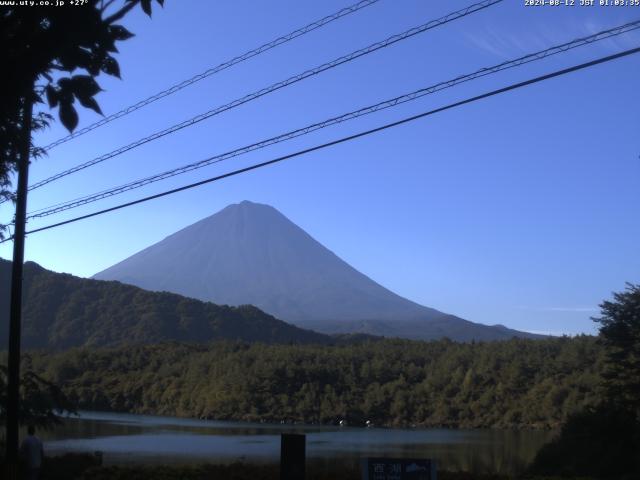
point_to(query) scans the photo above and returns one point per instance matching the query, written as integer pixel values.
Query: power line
(276, 86)
(217, 69)
(539, 55)
(450, 106)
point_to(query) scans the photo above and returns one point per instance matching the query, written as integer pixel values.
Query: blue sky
(520, 209)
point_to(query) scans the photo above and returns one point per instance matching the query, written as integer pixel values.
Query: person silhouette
(33, 454)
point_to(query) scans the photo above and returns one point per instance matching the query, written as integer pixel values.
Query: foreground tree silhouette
(604, 441)
(38, 44)
(620, 333)
(74, 44)
(41, 401)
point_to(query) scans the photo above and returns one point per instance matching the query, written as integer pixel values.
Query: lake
(128, 438)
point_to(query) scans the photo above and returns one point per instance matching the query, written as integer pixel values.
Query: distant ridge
(61, 311)
(249, 253)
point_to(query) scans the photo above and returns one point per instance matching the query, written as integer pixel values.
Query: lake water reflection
(125, 438)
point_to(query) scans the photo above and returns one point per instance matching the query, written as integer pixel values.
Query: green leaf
(68, 116)
(146, 6)
(110, 67)
(52, 96)
(84, 86)
(120, 33)
(65, 90)
(91, 103)
(93, 67)
(64, 83)
(76, 57)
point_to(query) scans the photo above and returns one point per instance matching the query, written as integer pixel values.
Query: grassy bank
(84, 467)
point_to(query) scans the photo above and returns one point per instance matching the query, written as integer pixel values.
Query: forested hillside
(62, 311)
(517, 383)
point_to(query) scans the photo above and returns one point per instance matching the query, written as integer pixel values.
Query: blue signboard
(398, 469)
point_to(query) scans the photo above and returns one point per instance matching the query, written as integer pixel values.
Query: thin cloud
(570, 309)
(506, 44)
(561, 309)
(490, 42)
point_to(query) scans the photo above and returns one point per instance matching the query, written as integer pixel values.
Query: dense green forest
(62, 311)
(517, 383)
(120, 364)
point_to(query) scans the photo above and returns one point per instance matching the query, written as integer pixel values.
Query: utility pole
(15, 315)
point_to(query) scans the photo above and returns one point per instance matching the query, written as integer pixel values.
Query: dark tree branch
(106, 5)
(122, 12)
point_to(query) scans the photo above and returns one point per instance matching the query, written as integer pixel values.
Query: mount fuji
(250, 253)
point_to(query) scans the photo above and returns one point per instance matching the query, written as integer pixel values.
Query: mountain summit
(250, 253)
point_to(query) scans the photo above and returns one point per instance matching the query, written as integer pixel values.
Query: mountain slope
(250, 253)
(62, 311)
